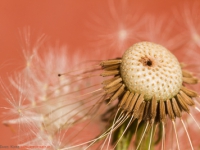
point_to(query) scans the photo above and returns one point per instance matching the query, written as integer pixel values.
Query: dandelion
(143, 99)
(135, 113)
(150, 86)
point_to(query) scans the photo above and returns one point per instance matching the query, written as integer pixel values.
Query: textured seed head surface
(150, 69)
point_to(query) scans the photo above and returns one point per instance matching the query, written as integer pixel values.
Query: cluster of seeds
(149, 83)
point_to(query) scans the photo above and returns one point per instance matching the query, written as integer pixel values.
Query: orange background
(62, 21)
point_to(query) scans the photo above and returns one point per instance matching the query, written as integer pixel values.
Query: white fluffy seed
(150, 69)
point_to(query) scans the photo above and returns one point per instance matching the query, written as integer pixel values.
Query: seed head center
(146, 61)
(150, 69)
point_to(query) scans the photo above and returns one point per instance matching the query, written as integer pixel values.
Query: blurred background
(74, 23)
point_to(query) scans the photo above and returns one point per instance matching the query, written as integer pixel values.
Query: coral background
(60, 20)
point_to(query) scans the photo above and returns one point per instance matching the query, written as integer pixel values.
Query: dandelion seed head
(150, 69)
(150, 85)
